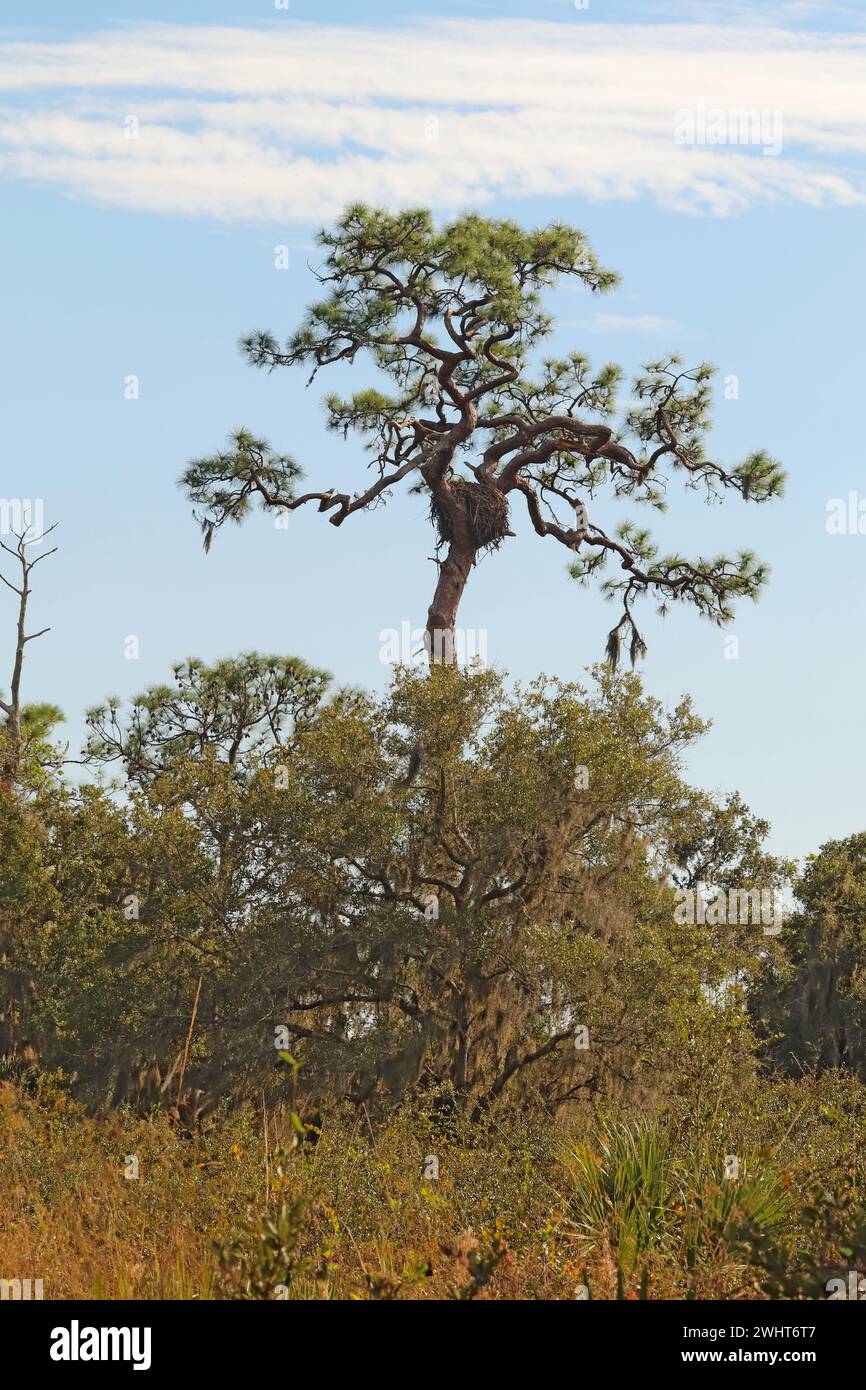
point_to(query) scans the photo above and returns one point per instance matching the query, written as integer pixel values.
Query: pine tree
(478, 420)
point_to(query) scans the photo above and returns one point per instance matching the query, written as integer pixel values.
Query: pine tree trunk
(453, 574)
(442, 614)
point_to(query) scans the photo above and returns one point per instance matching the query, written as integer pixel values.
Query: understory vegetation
(311, 994)
(459, 990)
(607, 1208)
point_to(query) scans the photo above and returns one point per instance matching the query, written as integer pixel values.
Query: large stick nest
(486, 514)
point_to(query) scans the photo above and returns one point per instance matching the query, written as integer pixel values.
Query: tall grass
(521, 1209)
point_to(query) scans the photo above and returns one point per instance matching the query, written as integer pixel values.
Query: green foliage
(27, 896)
(323, 939)
(223, 483)
(813, 1004)
(33, 759)
(624, 1187)
(639, 1189)
(722, 846)
(237, 1210)
(476, 418)
(262, 1260)
(820, 1262)
(456, 884)
(236, 710)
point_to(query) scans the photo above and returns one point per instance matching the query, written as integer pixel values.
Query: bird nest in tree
(486, 514)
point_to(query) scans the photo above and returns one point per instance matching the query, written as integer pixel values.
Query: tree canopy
(233, 709)
(477, 419)
(813, 1006)
(491, 917)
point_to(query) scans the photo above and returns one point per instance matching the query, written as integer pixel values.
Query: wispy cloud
(289, 122)
(650, 324)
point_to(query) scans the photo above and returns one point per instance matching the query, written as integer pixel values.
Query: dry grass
(350, 1216)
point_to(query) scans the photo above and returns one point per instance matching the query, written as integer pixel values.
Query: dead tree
(12, 708)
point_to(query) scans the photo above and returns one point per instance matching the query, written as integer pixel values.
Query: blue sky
(149, 257)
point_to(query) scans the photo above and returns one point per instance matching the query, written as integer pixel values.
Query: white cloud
(288, 123)
(651, 324)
